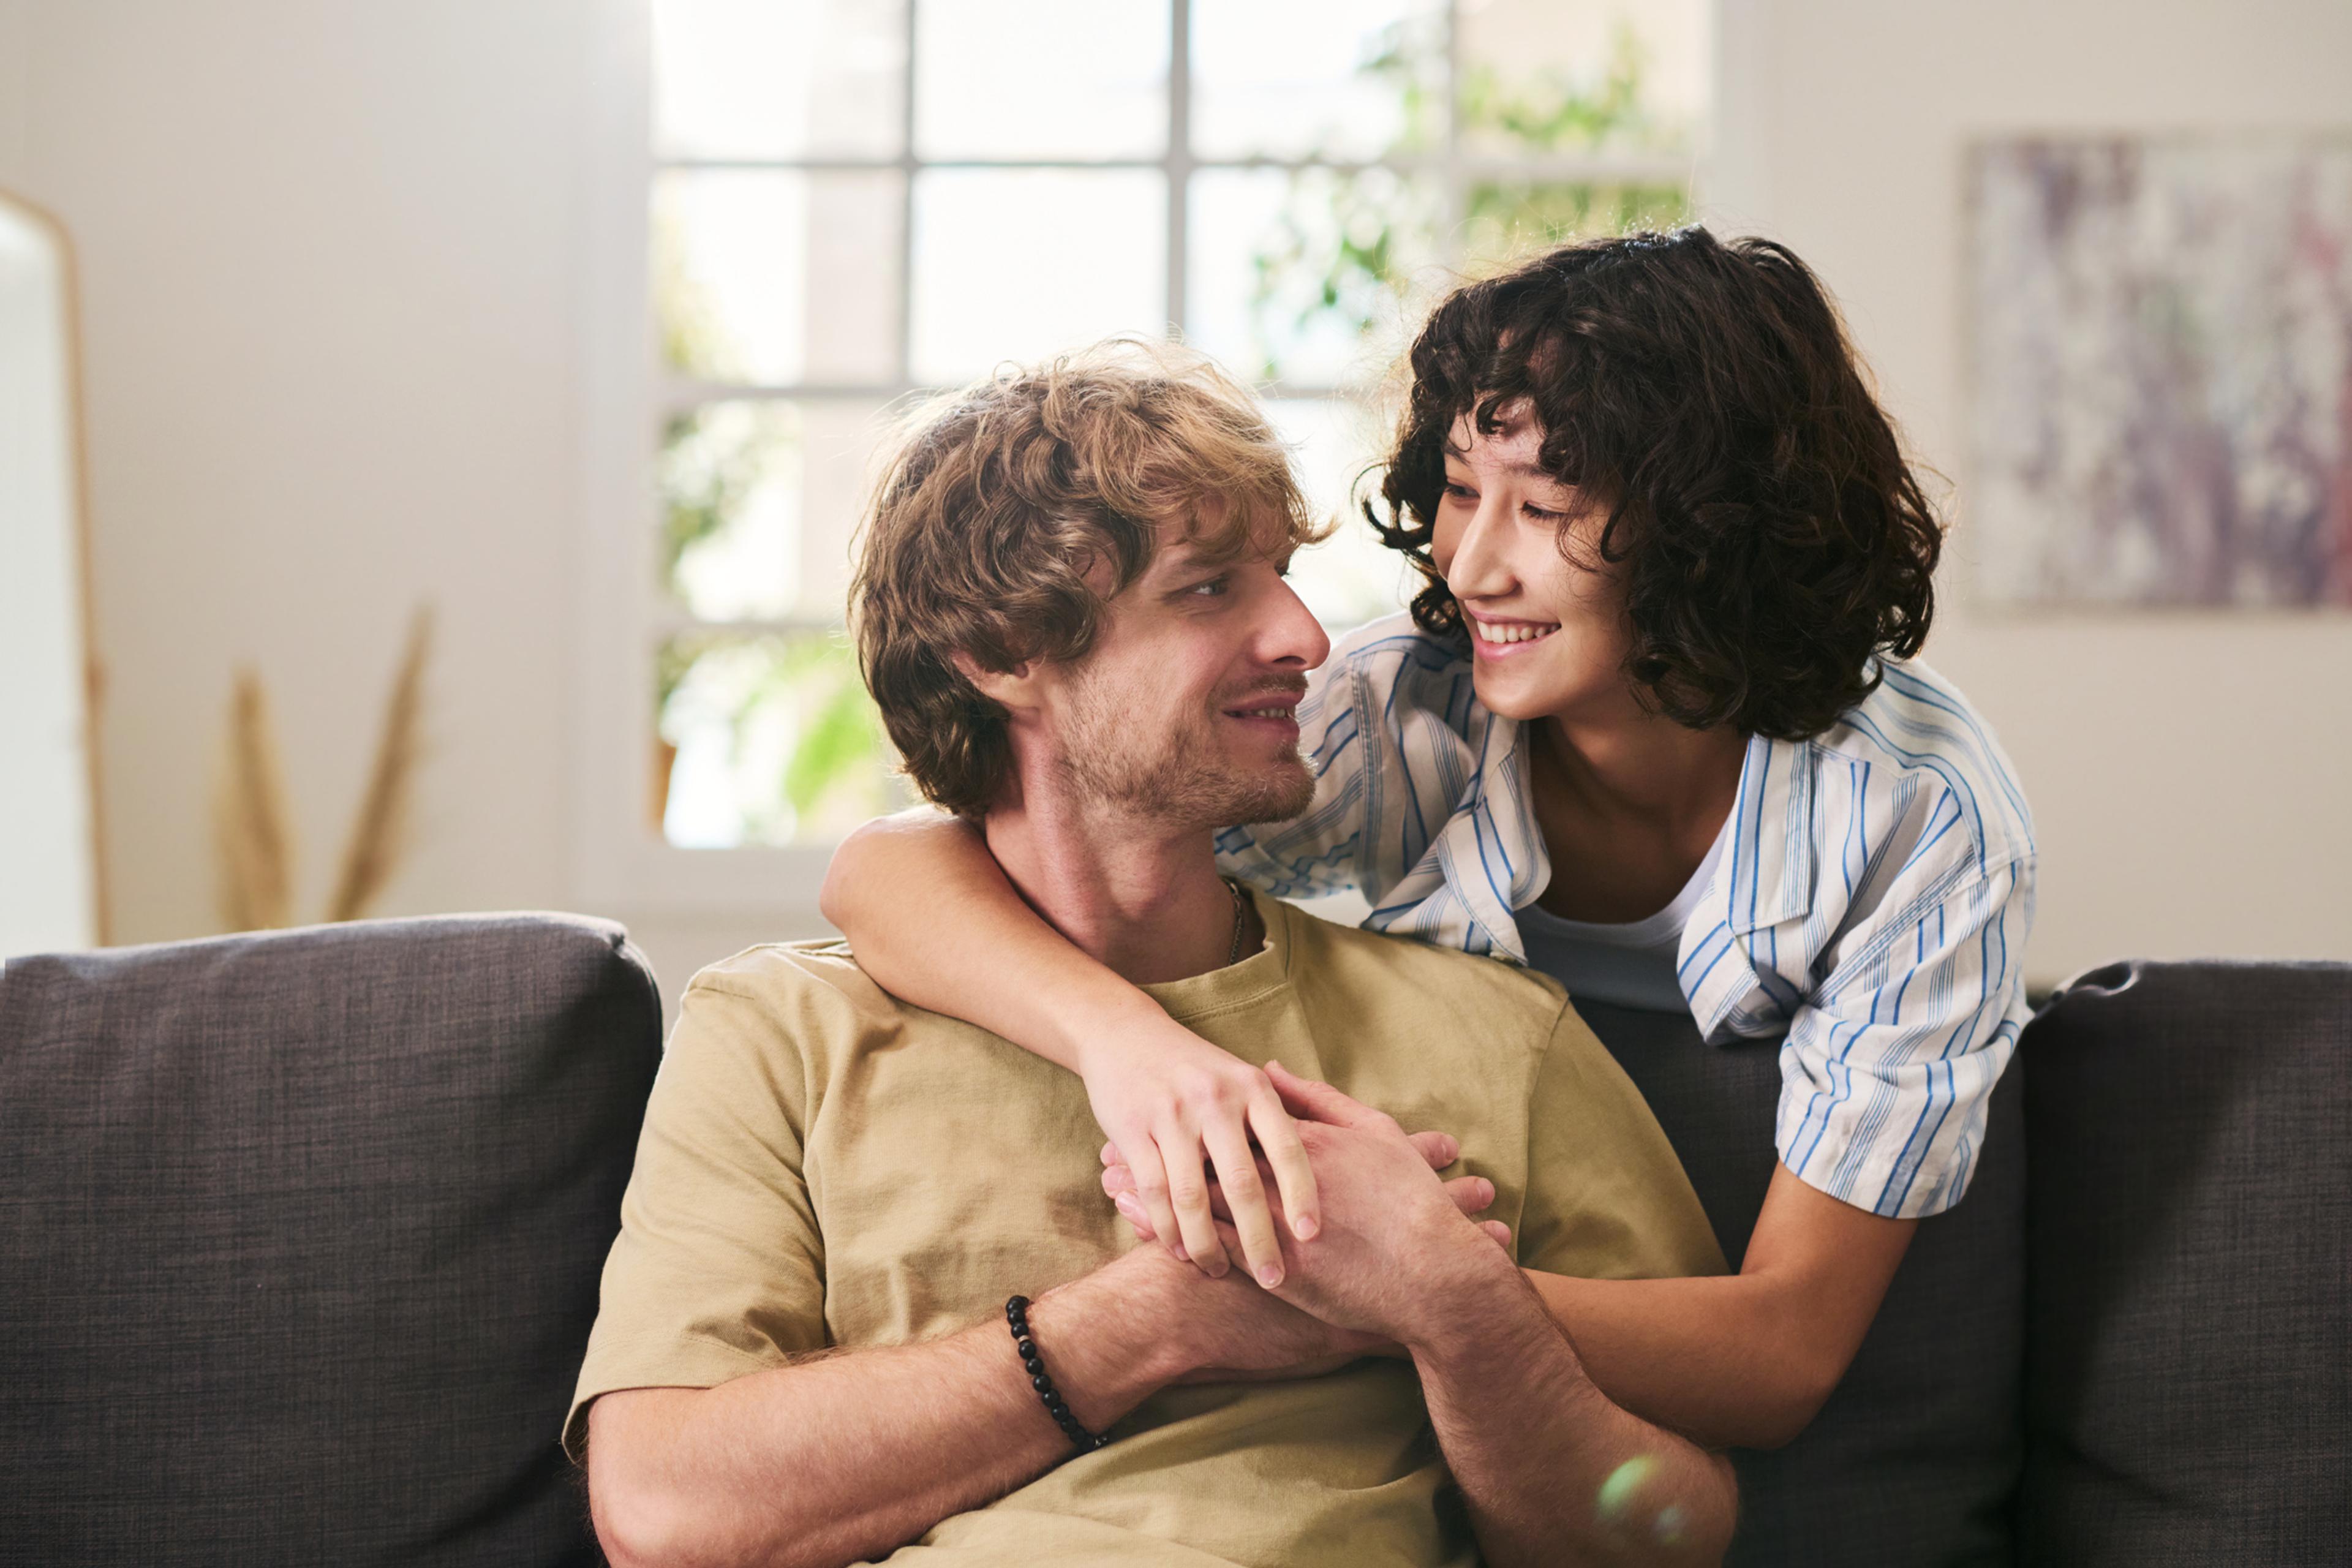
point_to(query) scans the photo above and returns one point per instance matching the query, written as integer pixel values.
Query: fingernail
(1269, 1276)
(1128, 1206)
(1305, 1227)
(1178, 1248)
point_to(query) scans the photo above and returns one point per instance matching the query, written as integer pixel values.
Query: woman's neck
(1645, 768)
(1629, 805)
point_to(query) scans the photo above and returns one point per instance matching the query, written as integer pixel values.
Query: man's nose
(1295, 636)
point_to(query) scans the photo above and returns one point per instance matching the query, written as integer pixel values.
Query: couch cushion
(1913, 1461)
(2189, 1226)
(302, 1235)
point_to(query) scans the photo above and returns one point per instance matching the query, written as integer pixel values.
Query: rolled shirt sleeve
(1887, 1071)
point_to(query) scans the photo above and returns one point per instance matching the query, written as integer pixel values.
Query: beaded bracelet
(1016, 1318)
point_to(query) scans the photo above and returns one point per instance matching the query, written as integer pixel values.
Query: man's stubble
(1170, 766)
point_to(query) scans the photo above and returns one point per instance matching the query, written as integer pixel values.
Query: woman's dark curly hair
(1773, 540)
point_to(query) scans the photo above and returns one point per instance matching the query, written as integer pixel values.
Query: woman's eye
(1459, 492)
(1541, 514)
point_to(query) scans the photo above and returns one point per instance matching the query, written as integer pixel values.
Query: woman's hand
(1175, 1107)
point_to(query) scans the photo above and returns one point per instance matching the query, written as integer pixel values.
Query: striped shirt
(1871, 904)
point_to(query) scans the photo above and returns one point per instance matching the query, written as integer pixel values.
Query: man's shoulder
(1388, 974)
(808, 990)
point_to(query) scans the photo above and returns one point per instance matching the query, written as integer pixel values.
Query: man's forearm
(1550, 1470)
(847, 1455)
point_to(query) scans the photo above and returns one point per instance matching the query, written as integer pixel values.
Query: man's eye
(1214, 588)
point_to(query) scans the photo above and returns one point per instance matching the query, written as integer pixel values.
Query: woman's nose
(1478, 569)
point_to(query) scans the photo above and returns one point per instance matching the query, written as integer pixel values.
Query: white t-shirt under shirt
(1632, 963)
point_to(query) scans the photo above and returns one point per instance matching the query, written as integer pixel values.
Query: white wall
(330, 252)
(2188, 771)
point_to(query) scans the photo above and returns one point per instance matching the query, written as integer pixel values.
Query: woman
(1651, 728)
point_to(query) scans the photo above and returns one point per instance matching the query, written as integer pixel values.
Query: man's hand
(1395, 1243)
(1229, 1330)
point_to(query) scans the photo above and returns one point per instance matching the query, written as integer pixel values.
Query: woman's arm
(1744, 1359)
(1741, 1361)
(934, 921)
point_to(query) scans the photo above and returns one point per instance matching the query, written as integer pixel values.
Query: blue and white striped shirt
(1872, 902)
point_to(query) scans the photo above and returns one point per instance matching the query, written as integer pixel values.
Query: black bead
(1053, 1400)
(1041, 1382)
(1033, 1366)
(1101, 1438)
(1016, 1306)
(1027, 1347)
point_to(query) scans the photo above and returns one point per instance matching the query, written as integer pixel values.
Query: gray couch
(300, 1238)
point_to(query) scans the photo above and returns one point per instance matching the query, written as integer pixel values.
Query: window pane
(1564, 76)
(731, 486)
(760, 500)
(1506, 220)
(766, 739)
(1309, 275)
(1349, 78)
(1350, 577)
(1041, 79)
(1013, 264)
(778, 78)
(770, 277)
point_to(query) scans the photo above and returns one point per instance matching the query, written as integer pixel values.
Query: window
(853, 201)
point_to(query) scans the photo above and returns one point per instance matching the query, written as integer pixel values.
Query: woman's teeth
(1489, 632)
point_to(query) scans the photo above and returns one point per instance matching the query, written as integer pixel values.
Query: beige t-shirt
(824, 1165)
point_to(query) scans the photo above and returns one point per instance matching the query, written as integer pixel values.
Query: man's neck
(1145, 901)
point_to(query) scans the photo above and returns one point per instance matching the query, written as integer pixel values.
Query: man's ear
(1013, 689)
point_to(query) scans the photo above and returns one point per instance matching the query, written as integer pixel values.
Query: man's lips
(1274, 710)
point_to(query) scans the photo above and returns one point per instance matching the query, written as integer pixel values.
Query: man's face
(1184, 710)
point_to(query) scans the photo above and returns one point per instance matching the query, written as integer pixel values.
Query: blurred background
(474, 395)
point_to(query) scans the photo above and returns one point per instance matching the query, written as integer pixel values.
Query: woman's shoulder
(1394, 648)
(1400, 669)
(1916, 745)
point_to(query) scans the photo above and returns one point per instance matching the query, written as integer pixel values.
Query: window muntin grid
(798, 391)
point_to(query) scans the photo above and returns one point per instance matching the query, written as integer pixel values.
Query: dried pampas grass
(252, 833)
(253, 830)
(379, 831)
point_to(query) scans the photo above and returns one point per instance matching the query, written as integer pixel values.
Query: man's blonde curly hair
(998, 501)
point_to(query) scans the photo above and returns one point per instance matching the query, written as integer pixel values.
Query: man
(1073, 617)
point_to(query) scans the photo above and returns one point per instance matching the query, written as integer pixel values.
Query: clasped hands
(1393, 1254)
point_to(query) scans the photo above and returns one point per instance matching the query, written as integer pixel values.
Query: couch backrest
(300, 1236)
(1913, 1462)
(2189, 1266)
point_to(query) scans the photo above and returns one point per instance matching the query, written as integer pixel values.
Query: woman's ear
(1015, 689)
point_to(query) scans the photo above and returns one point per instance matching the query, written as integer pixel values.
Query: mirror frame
(92, 671)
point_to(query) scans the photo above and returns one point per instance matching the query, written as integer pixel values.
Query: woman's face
(1547, 631)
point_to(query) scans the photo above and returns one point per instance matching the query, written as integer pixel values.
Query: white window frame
(619, 863)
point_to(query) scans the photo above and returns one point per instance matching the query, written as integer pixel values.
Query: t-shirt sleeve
(1607, 1197)
(719, 1269)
